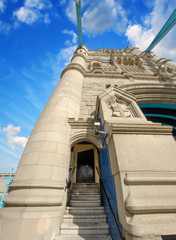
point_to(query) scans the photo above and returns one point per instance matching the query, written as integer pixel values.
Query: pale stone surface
(142, 154)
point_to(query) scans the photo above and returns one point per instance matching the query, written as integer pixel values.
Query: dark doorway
(169, 237)
(85, 167)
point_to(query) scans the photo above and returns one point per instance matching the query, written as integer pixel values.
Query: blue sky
(37, 39)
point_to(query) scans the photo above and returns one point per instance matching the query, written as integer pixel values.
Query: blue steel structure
(161, 113)
(8, 181)
(164, 30)
(78, 14)
(108, 182)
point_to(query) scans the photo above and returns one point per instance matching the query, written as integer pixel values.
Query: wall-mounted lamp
(103, 133)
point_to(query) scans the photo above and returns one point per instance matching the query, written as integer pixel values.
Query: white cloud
(71, 11)
(33, 10)
(46, 19)
(61, 60)
(62, 2)
(139, 36)
(67, 53)
(26, 15)
(14, 140)
(4, 27)
(99, 17)
(64, 56)
(38, 4)
(148, 3)
(73, 35)
(2, 5)
(142, 35)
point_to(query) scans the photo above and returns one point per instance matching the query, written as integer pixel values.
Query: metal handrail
(112, 212)
(8, 180)
(70, 178)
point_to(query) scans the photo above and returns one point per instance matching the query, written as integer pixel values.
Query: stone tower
(107, 87)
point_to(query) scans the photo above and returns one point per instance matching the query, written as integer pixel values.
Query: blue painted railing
(8, 180)
(163, 113)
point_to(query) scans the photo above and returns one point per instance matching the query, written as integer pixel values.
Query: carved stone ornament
(81, 51)
(117, 105)
(166, 73)
(119, 108)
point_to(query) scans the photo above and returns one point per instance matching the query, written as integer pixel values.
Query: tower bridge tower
(135, 157)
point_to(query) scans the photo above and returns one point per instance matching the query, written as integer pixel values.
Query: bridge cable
(164, 30)
(79, 22)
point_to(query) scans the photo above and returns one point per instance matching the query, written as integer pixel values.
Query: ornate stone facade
(107, 84)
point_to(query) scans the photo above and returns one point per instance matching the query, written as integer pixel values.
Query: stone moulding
(32, 203)
(83, 130)
(133, 206)
(107, 75)
(73, 66)
(150, 178)
(150, 204)
(147, 128)
(152, 92)
(42, 184)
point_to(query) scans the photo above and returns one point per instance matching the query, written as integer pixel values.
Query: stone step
(85, 193)
(83, 237)
(95, 195)
(86, 190)
(85, 185)
(96, 218)
(77, 203)
(85, 198)
(85, 218)
(84, 210)
(84, 228)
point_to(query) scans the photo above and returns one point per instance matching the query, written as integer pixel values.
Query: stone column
(36, 202)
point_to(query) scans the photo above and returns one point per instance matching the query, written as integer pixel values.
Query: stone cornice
(152, 92)
(146, 178)
(78, 54)
(37, 184)
(32, 202)
(138, 128)
(83, 130)
(121, 76)
(81, 123)
(74, 66)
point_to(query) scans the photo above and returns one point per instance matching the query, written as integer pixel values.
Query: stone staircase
(85, 217)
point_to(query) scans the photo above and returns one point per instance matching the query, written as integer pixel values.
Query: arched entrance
(84, 163)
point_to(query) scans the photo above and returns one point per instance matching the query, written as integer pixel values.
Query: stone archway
(84, 163)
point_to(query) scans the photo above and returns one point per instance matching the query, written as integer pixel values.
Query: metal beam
(78, 14)
(165, 29)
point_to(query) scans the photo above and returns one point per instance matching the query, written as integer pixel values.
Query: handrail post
(69, 183)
